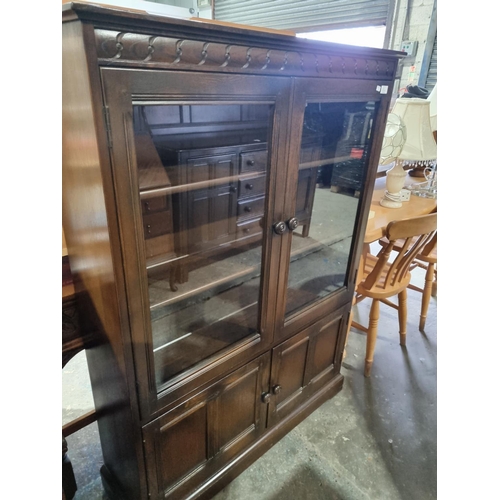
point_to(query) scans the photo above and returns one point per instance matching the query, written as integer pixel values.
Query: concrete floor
(375, 440)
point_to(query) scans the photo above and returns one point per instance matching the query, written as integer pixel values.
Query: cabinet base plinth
(234, 468)
(241, 462)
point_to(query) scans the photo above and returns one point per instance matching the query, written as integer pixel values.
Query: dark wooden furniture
(233, 144)
(347, 173)
(217, 214)
(218, 326)
(75, 338)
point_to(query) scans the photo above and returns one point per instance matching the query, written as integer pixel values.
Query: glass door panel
(333, 161)
(202, 172)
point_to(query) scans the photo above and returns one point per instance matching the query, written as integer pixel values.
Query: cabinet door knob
(250, 163)
(276, 389)
(248, 209)
(279, 227)
(266, 397)
(149, 228)
(233, 189)
(249, 186)
(293, 223)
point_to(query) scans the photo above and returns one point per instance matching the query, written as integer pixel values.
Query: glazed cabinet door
(335, 143)
(194, 440)
(195, 161)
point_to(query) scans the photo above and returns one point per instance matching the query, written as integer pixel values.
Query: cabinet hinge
(107, 125)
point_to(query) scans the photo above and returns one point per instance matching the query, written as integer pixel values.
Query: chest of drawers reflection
(217, 272)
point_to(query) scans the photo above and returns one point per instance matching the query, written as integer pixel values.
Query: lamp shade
(394, 139)
(433, 108)
(420, 145)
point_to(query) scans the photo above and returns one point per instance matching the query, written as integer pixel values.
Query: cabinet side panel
(86, 227)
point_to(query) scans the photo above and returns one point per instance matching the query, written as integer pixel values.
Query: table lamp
(420, 149)
(433, 110)
(433, 107)
(392, 146)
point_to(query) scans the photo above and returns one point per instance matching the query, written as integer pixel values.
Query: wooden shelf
(182, 188)
(324, 161)
(195, 290)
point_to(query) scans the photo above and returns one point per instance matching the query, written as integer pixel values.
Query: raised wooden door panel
(211, 211)
(253, 161)
(191, 442)
(304, 364)
(198, 322)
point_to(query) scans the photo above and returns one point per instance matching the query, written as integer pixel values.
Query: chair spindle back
(419, 234)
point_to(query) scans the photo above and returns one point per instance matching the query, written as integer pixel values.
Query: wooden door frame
(121, 89)
(305, 90)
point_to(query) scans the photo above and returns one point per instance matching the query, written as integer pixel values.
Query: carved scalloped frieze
(160, 51)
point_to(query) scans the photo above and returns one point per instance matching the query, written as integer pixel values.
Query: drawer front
(252, 186)
(193, 441)
(157, 224)
(253, 161)
(154, 205)
(249, 228)
(159, 245)
(251, 208)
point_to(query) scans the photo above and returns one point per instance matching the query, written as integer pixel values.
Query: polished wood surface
(214, 425)
(170, 432)
(427, 260)
(379, 218)
(305, 364)
(64, 245)
(377, 224)
(91, 236)
(383, 278)
(157, 388)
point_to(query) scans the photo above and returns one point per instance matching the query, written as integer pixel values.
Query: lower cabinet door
(304, 364)
(191, 442)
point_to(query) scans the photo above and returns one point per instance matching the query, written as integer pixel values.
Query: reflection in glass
(333, 161)
(202, 172)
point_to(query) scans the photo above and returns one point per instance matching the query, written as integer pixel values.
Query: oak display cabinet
(218, 274)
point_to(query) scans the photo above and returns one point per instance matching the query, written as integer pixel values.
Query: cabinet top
(126, 19)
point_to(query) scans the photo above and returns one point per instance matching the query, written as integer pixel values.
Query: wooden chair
(426, 259)
(383, 279)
